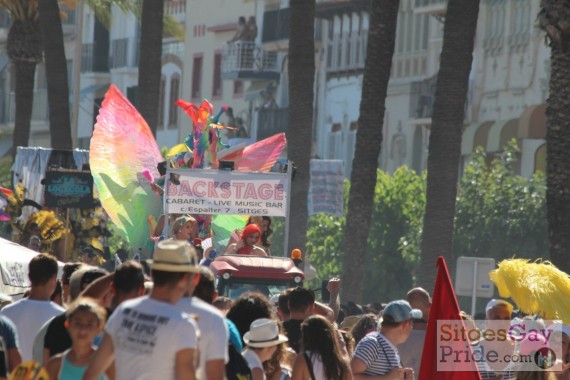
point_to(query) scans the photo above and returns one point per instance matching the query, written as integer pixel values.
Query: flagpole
(474, 290)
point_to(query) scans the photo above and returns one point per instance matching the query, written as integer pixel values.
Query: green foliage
(395, 234)
(500, 214)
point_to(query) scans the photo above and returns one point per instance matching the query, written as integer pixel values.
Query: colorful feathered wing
(121, 147)
(259, 156)
(536, 287)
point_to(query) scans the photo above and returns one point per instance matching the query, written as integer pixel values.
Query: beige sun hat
(174, 256)
(263, 332)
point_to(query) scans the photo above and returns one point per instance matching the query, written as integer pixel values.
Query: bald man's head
(419, 299)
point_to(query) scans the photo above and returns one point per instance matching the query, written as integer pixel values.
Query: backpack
(237, 367)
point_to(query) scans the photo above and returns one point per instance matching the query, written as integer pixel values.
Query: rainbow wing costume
(121, 147)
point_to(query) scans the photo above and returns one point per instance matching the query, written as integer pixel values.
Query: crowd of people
(163, 318)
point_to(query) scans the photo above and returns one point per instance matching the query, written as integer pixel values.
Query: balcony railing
(275, 25)
(347, 53)
(243, 60)
(271, 121)
(174, 7)
(39, 108)
(92, 63)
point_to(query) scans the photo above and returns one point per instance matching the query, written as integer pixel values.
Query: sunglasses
(253, 237)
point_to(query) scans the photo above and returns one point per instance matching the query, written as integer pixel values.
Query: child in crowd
(85, 320)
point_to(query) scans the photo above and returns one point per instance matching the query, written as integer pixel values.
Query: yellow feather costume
(536, 287)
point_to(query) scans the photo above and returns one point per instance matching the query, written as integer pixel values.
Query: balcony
(436, 8)
(245, 60)
(39, 108)
(92, 62)
(174, 7)
(275, 32)
(271, 121)
(422, 98)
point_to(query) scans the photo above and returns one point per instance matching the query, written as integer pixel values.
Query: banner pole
(287, 219)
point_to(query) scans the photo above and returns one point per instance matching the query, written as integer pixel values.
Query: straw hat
(263, 332)
(174, 256)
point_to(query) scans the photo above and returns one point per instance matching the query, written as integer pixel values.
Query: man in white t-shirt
(30, 314)
(213, 345)
(148, 337)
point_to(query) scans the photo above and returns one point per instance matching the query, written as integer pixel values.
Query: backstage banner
(226, 192)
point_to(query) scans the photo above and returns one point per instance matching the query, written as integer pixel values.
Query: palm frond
(173, 28)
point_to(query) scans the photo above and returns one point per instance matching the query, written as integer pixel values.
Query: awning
(532, 123)
(501, 133)
(255, 89)
(476, 134)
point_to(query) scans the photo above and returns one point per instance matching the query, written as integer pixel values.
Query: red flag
(444, 307)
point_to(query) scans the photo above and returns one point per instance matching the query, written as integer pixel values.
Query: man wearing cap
(376, 354)
(148, 337)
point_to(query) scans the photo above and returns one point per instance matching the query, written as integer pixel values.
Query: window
(238, 88)
(174, 94)
(334, 140)
(197, 77)
(161, 100)
(217, 85)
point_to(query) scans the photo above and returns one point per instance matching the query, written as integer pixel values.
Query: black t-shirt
(57, 338)
(293, 331)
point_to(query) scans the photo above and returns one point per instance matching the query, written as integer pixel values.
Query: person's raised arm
(334, 289)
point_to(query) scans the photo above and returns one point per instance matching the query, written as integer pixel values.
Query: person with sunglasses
(247, 243)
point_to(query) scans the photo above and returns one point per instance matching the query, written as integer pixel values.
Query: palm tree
(56, 74)
(381, 40)
(445, 137)
(150, 67)
(300, 129)
(554, 18)
(24, 46)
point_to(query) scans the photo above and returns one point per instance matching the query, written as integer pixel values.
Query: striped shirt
(379, 355)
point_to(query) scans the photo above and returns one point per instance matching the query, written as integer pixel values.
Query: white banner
(326, 189)
(226, 192)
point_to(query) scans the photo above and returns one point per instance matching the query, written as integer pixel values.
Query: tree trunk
(25, 71)
(381, 40)
(25, 51)
(300, 129)
(445, 137)
(56, 74)
(554, 18)
(150, 67)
